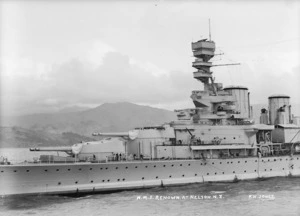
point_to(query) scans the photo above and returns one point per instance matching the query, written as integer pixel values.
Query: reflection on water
(276, 196)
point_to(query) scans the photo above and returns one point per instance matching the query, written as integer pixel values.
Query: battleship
(216, 141)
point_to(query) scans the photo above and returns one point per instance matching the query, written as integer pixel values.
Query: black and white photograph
(155, 107)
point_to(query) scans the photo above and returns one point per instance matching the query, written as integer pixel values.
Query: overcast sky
(75, 53)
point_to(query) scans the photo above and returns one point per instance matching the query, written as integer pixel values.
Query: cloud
(115, 78)
(119, 77)
(97, 52)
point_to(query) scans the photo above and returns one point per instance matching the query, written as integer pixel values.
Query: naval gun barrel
(119, 134)
(63, 149)
(130, 134)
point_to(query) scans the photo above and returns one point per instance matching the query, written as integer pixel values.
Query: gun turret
(130, 134)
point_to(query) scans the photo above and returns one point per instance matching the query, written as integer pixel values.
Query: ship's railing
(141, 159)
(26, 163)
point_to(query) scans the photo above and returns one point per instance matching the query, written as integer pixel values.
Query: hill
(12, 137)
(105, 118)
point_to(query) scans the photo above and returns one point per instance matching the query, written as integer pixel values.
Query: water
(275, 196)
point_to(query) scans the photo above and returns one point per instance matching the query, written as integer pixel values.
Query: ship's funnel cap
(235, 87)
(279, 96)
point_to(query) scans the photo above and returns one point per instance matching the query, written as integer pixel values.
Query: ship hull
(101, 177)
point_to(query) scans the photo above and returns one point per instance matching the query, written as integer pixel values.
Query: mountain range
(66, 128)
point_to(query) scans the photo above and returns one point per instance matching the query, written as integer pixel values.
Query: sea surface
(274, 196)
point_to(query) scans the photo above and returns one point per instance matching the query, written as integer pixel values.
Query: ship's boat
(217, 140)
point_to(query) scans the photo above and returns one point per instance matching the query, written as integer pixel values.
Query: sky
(60, 54)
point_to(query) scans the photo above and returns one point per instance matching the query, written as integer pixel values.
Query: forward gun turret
(85, 151)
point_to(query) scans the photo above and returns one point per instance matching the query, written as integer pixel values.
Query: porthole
(156, 177)
(92, 181)
(180, 164)
(196, 174)
(182, 175)
(45, 170)
(170, 176)
(103, 180)
(59, 183)
(286, 159)
(57, 170)
(26, 171)
(265, 169)
(146, 166)
(255, 160)
(213, 163)
(254, 170)
(117, 167)
(280, 159)
(268, 159)
(143, 178)
(215, 173)
(245, 161)
(201, 164)
(207, 173)
(231, 162)
(227, 162)
(233, 172)
(76, 182)
(126, 167)
(238, 161)
(2, 171)
(172, 165)
(233, 137)
(220, 162)
(270, 169)
(223, 172)
(190, 164)
(108, 180)
(282, 168)
(154, 166)
(245, 171)
(118, 179)
(274, 159)
(91, 168)
(123, 179)
(136, 167)
(79, 169)
(69, 169)
(164, 165)
(106, 168)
